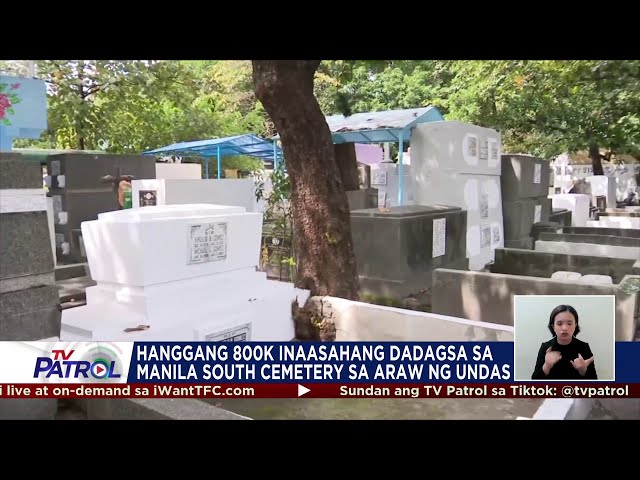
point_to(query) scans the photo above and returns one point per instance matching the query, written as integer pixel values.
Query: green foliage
(236, 162)
(550, 107)
(540, 107)
(140, 105)
(381, 300)
(380, 85)
(277, 231)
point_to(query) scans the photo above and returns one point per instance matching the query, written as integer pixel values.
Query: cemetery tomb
(385, 177)
(80, 192)
(396, 249)
(525, 202)
(609, 246)
(459, 164)
(179, 273)
(577, 203)
(29, 301)
(234, 192)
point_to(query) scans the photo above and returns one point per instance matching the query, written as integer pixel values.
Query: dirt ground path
(381, 409)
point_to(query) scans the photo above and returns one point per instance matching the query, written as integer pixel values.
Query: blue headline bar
(340, 362)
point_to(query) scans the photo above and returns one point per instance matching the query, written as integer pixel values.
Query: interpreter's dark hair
(560, 309)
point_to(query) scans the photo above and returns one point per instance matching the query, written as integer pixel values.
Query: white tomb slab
(596, 279)
(151, 245)
(385, 178)
(456, 163)
(224, 191)
(602, 185)
(179, 273)
(615, 222)
(591, 249)
(577, 203)
(563, 276)
(178, 171)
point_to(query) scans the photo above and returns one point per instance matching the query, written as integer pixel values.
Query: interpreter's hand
(581, 365)
(550, 359)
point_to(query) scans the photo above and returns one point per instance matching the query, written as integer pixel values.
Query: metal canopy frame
(248, 144)
(390, 126)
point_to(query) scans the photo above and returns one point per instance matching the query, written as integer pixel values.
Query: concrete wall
(363, 198)
(153, 409)
(236, 192)
(561, 216)
(525, 187)
(397, 250)
(615, 222)
(178, 171)
(79, 194)
(543, 264)
(364, 322)
(617, 232)
(488, 297)
(598, 245)
(29, 298)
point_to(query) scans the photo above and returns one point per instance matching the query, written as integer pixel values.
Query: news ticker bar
(327, 390)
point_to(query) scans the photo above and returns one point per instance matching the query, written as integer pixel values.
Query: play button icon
(99, 369)
(302, 390)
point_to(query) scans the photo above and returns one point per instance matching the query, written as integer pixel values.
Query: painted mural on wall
(23, 109)
(9, 98)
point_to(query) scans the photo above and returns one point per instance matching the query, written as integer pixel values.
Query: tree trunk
(347, 165)
(596, 160)
(322, 225)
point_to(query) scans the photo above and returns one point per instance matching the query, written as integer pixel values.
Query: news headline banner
(323, 362)
(274, 362)
(335, 362)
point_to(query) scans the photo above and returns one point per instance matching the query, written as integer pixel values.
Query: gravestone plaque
(378, 177)
(148, 198)
(484, 150)
(207, 242)
(496, 237)
(439, 237)
(485, 239)
(241, 333)
(494, 152)
(537, 172)
(471, 148)
(537, 215)
(484, 203)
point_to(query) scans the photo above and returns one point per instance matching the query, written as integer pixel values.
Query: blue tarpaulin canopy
(247, 144)
(390, 126)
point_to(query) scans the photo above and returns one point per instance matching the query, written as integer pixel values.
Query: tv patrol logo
(100, 362)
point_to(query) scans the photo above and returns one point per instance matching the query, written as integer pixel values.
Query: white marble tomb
(179, 273)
